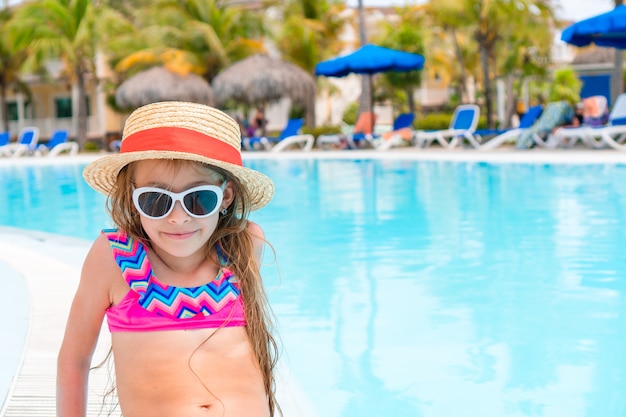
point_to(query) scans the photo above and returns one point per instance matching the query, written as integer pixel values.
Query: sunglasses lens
(154, 203)
(201, 202)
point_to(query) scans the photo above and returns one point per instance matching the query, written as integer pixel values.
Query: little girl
(178, 279)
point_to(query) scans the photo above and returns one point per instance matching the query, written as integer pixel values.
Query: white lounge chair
(463, 124)
(509, 135)
(58, 144)
(26, 143)
(293, 128)
(569, 136)
(613, 135)
(302, 142)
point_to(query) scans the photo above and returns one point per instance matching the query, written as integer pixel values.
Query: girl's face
(179, 234)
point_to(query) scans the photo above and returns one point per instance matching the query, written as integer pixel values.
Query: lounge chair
(58, 144)
(502, 136)
(556, 114)
(26, 143)
(362, 130)
(302, 142)
(595, 114)
(612, 135)
(401, 132)
(462, 125)
(5, 138)
(293, 128)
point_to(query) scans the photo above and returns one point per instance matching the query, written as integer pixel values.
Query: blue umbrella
(370, 59)
(607, 29)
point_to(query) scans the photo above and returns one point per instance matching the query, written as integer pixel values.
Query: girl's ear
(228, 195)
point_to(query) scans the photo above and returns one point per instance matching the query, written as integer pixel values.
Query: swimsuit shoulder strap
(223, 260)
(131, 257)
(225, 272)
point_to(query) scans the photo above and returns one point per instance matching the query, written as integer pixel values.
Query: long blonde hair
(237, 244)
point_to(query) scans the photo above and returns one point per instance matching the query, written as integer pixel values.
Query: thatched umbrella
(160, 84)
(261, 79)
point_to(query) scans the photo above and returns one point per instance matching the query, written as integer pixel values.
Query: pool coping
(575, 155)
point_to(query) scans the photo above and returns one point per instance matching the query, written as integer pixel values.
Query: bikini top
(151, 305)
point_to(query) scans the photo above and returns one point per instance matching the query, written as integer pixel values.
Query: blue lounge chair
(57, 144)
(463, 124)
(26, 143)
(502, 136)
(5, 138)
(292, 129)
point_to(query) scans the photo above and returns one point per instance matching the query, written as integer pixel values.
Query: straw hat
(179, 130)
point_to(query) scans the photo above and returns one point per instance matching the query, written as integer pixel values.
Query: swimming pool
(412, 288)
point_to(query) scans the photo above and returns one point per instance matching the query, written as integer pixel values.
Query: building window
(12, 111)
(63, 106)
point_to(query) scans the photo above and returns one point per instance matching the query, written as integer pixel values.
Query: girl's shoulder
(100, 253)
(100, 271)
(255, 231)
(258, 239)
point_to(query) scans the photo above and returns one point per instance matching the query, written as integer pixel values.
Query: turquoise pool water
(434, 289)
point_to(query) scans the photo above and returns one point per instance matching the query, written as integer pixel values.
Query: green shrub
(92, 146)
(433, 121)
(322, 130)
(351, 114)
(565, 86)
(441, 121)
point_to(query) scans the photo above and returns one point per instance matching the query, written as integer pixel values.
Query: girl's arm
(92, 298)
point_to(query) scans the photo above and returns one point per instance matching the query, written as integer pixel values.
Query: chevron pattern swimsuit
(151, 305)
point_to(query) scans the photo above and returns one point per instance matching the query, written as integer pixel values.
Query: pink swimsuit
(151, 305)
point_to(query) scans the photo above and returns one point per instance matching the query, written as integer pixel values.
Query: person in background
(259, 122)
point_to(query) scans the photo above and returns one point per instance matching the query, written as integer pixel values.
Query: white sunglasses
(157, 203)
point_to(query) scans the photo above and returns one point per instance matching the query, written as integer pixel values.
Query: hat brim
(101, 174)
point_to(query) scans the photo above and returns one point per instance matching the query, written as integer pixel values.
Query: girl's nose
(178, 214)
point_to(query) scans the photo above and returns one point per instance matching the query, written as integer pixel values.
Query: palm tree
(365, 103)
(492, 24)
(199, 36)
(64, 30)
(405, 35)
(11, 59)
(448, 44)
(309, 31)
(618, 68)
(528, 41)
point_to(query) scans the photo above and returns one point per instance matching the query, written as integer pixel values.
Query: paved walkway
(50, 266)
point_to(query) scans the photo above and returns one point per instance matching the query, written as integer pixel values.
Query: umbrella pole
(371, 88)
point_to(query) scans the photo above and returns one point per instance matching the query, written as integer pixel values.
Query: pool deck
(50, 266)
